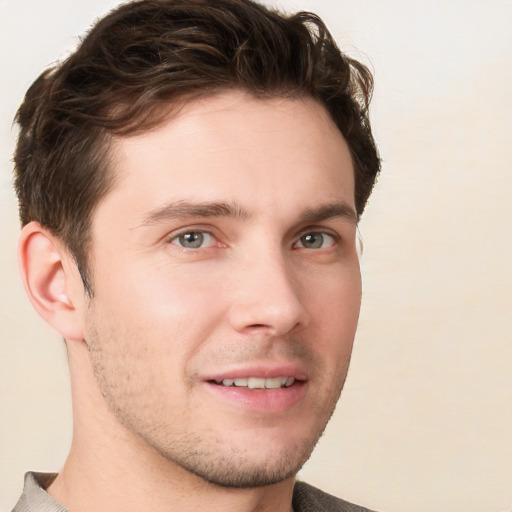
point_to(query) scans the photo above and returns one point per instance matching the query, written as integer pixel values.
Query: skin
(266, 190)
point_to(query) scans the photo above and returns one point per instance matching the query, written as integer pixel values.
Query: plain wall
(425, 420)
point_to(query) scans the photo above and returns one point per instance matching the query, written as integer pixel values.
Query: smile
(258, 382)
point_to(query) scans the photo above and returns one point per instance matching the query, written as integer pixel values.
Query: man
(190, 182)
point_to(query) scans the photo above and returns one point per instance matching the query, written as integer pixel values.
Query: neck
(109, 468)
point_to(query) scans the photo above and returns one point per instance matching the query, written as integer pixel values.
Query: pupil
(313, 240)
(191, 240)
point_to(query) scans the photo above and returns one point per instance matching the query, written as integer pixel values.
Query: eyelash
(334, 239)
(202, 232)
(175, 237)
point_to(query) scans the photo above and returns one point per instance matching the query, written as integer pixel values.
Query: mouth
(260, 394)
(257, 382)
(266, 388)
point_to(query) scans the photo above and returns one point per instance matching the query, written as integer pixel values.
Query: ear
(52, 281)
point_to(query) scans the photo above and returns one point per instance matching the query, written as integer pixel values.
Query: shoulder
(307, 498)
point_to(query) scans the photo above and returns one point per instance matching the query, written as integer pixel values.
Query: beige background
(425, 422)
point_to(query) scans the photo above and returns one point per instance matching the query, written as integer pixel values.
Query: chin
(243, 473)
(269, 464)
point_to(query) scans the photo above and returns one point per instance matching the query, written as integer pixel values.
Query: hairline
(106, 152)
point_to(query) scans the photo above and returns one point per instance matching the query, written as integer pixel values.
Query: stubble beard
(220, 465)
(237, 469)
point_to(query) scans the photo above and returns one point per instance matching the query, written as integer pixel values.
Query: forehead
(233, 147)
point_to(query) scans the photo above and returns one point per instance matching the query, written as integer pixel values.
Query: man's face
(225, 260)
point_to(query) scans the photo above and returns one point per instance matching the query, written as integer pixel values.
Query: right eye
(193, 239)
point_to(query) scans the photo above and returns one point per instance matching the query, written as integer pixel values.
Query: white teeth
(260, 383)
(273, 383)
(255, 383)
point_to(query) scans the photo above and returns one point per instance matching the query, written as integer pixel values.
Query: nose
(266, 298)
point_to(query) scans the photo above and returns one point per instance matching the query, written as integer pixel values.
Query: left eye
(315, 240)
(194, 239)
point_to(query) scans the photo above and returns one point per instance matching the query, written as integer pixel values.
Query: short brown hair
(148, 55)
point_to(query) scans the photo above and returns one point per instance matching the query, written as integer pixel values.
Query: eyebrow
(329, 211)
(184, 209)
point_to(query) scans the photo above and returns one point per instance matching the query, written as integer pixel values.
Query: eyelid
(318, 230)
(192, 229)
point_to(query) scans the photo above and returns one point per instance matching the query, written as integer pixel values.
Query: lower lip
(260, 400)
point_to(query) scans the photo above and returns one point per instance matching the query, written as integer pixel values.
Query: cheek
(335, 296)
(334, 312)
(164, 306)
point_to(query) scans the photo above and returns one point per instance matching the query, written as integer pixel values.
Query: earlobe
(50, 280)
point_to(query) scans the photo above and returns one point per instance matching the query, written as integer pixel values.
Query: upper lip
(263, 370)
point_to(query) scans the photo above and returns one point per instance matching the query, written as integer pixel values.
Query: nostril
(255, 310)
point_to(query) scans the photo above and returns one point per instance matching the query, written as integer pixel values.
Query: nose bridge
(267, 296)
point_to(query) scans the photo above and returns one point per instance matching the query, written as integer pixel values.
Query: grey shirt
(305, 498)
(35, 498)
